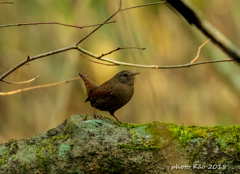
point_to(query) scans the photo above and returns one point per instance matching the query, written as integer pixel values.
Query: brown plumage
(111, 95)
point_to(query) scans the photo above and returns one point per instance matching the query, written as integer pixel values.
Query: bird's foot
(98, 116)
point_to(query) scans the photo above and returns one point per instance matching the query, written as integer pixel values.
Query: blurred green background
(200, 95)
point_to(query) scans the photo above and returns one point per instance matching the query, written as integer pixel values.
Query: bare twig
(6, 2)
(56, 51)
(199, 49)
(75, 46)
(119, 10)
(155, 3)
(34, 58)
(120, 49)
(19, 83)
(117, 63)
(10, 68)
(37, 87)
(120, 7)
(39, 23)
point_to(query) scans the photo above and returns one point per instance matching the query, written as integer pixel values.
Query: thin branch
(34, 58)
(194, 16)
(150, 66)
(39, 23)
(59, 50)
(112, 64)
(120, 49)
(6, 2)
(19, 83)
(156, 3)
(199, 50)
(120, 7)
(10, 68)
(37, 87)
(119, 10)
(75, 46)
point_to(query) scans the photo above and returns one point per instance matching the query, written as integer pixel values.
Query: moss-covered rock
(83, 144)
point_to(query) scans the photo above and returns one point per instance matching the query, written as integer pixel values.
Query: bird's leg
(115, 117)
(96, 115)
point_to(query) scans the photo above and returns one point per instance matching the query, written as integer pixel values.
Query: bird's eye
(125, 75)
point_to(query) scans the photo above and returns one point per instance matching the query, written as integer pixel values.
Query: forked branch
(101, 58)
(11, 70)
(118, 63)
(119, 9)
(29, 59)
(122, 48)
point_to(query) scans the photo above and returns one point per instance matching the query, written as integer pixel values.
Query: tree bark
(83, 144)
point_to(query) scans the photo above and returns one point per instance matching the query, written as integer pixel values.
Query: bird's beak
(134, 74)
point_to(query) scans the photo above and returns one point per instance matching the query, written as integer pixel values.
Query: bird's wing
(102, 93)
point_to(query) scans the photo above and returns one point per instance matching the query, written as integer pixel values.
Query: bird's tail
(90, 85)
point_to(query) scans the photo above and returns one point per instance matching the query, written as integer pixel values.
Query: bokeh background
(201, 95)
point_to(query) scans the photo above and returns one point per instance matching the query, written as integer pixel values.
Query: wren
(111, 95)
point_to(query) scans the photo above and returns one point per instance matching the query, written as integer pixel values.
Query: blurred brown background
(200, 95)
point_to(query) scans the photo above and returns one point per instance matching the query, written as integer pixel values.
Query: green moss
(46, 149)
(50, 149)
(224, 136)
(145, 137)
(161, 134)
(227, 138)
(187, 133)
(130, 125)
(3, 150)
(67, 129)
(134, 146)
(6, 152)
(43, 155)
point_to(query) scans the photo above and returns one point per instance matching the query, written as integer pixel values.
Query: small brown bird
(111, 95)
